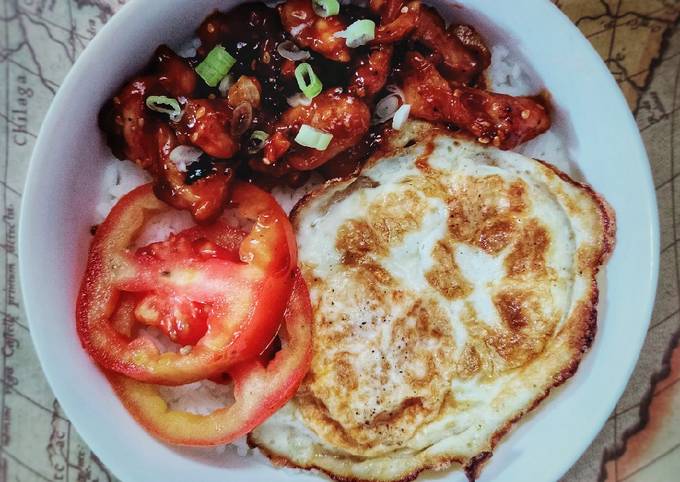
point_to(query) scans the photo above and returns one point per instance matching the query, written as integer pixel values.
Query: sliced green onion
(165, 105)
(312, 88)
(326, 8)
(215, 66)
(257, 140)
(260, 135)
(308, 136)
(359, 33)
(400, 117)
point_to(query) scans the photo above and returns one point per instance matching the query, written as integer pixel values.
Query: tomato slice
(220, 288)
(259, 390)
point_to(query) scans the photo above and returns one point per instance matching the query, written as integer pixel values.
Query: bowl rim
(107, 37)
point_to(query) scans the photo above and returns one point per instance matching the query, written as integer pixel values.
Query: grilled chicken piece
(204, 198)
(344, 116)
(397, 21)
(474, 43)
(313, 32)
(246, 89)
(206, 124)
(448, 52)
(371, 71)
(134, 132)
(387, 9)
(498, 119)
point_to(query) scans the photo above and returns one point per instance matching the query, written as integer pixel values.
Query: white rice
(549, 147)
(188, 48)
(201, 398)
(120, 177)
(161, 226)
(161, 342)
(506, 75)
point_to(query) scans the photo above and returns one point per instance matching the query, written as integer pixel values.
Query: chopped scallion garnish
(165, 105)
(308, 136)
(257, 140)
(215, 66)
(359, 33)
(326, 8)
(310, 88)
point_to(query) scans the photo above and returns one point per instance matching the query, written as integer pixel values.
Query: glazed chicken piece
(129, 126)
(349, 162)
(313, 32)
(344, 116)
(246, 89)
(204, 198)
(174, 74)
(135, 132)
(449, 53)
(371, 71)
(148, 141)
(206, 124)
(498, 119)
(215, 125)
(387, 9)
(473, 42)
(397, 20)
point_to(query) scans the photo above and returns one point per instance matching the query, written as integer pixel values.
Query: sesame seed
(526, 114)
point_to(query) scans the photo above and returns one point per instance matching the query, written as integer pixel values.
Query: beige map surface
(639, 40)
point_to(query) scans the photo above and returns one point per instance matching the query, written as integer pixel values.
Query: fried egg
(453, 286)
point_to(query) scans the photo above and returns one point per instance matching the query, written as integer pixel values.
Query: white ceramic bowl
(66, 170)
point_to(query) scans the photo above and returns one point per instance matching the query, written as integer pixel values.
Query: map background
(638, 39)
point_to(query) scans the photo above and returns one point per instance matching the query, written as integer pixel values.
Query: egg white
(433, 334)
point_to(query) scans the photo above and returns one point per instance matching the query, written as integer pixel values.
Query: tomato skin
(247, 292)
(259, 391)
